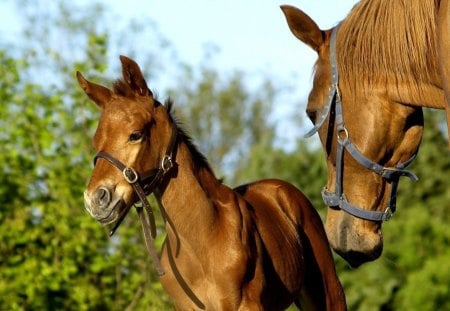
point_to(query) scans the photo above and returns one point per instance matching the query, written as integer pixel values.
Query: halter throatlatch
(392, 175)
(144, 185)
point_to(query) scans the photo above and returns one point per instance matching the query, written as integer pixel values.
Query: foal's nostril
(102, 197)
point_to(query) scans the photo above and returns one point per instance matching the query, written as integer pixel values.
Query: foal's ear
(97, 93)
(303, 27)
(133, 76)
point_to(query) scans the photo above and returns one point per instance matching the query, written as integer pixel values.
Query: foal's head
(135, 129)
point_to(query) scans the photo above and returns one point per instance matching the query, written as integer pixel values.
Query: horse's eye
(136, 136)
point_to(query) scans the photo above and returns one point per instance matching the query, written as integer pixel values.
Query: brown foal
(260, 246)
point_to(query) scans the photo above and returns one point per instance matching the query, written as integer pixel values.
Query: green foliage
(54, 257)
(427, 288)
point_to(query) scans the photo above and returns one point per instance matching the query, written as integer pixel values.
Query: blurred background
(239, 81)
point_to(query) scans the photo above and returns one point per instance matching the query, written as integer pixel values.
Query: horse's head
(377, 136)
(131, 137)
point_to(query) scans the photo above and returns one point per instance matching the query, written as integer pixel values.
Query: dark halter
(390, 174)
(143, 185)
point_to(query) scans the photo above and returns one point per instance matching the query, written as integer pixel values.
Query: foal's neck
(189, 195)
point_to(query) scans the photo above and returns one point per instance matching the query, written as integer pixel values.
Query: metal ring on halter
(166, 163)
(388, 212)
(130, 175)
(342, 139)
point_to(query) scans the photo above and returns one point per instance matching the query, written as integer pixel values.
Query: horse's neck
(187, 197)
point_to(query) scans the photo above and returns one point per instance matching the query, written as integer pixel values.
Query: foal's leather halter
(389, 174)
(144, 185)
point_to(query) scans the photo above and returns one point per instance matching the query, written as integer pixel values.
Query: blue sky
(250, 35)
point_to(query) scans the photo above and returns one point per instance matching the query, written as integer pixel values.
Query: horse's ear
(303, 27)
(133, 76)
(97, 93)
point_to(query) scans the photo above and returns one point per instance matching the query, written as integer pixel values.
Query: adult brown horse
(260, 246)
(376, 70)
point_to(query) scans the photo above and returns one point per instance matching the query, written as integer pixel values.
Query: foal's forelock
(122, 88)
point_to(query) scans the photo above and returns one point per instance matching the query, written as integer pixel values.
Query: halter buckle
(388, 213)
(166, 163)
(130, 175)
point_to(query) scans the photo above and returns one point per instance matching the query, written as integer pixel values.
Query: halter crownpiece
(333, 90)
(390, 174)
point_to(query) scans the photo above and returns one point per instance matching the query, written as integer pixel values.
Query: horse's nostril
(102, 197)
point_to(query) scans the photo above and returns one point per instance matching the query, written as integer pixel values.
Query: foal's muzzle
(103, 205)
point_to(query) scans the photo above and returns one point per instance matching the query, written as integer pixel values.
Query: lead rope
(180, 278)
(148, 238)
(148, 226)
(151, 217)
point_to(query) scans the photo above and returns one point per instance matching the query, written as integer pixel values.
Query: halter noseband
(143, 185)
(390, 174)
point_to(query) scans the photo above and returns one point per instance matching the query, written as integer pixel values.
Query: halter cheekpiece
(392, 175)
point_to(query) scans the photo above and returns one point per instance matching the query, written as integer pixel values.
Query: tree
(53, 257)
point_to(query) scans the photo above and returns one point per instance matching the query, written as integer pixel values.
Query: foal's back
(298, 261)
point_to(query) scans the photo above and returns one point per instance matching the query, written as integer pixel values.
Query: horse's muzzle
(357, 241)
(103, 205)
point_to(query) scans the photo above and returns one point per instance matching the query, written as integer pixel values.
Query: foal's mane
(197, 156)
(380, 37)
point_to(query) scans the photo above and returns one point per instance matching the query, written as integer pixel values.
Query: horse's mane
(382, 37)
(198, 157)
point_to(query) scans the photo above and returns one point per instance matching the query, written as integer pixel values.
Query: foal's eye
(136, 136)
